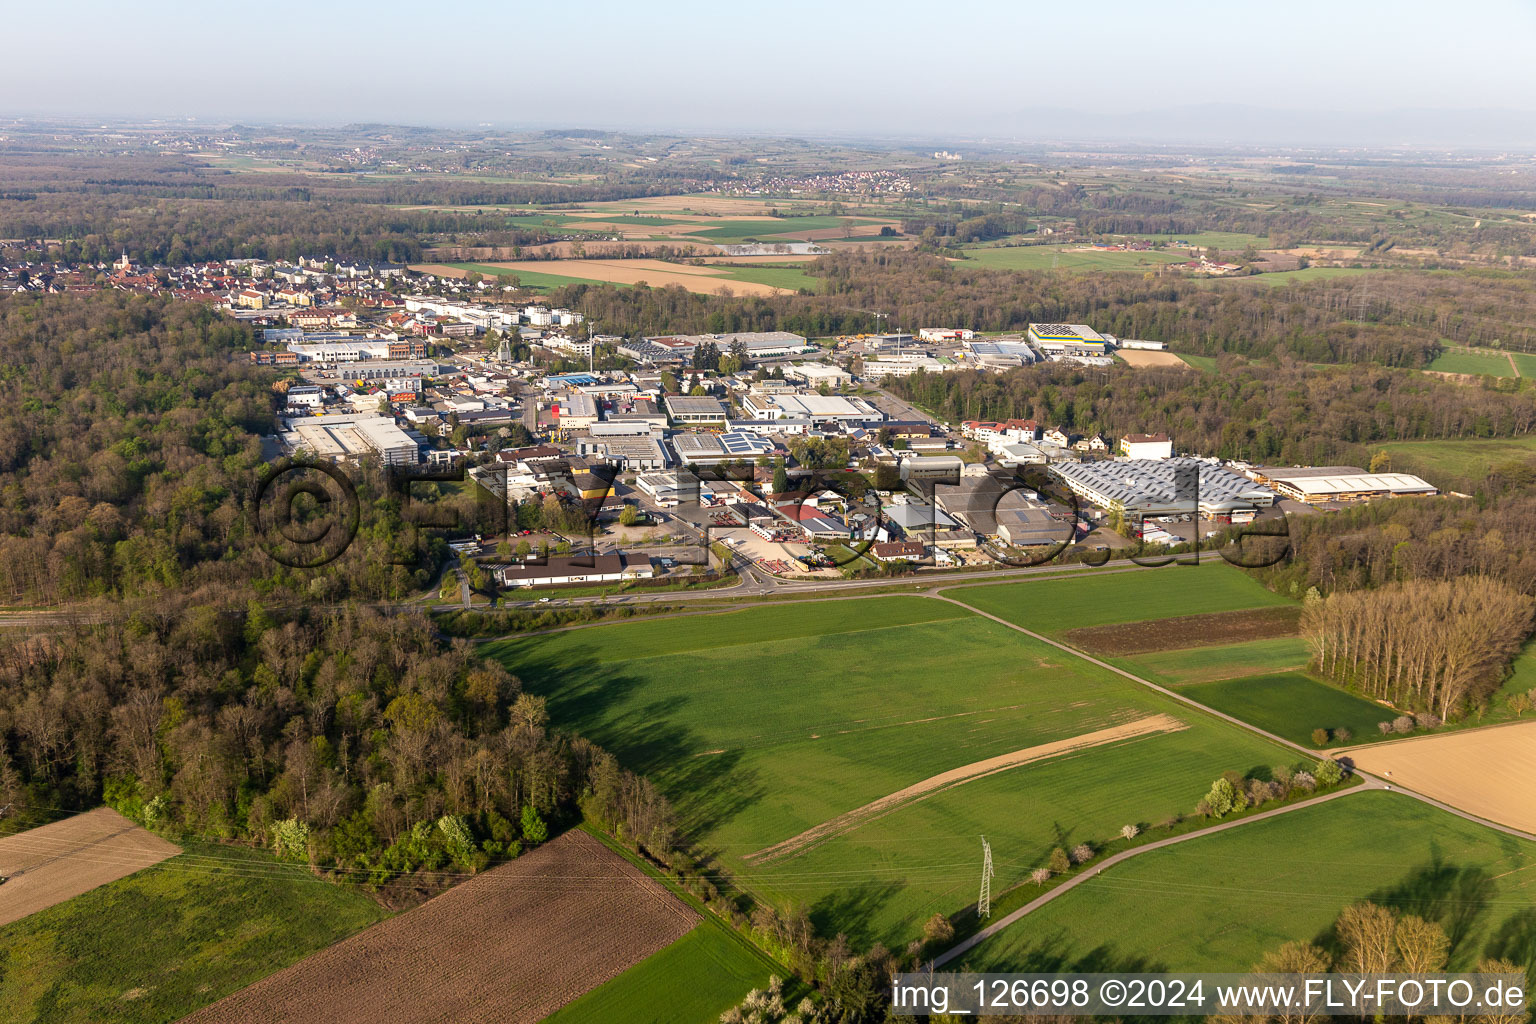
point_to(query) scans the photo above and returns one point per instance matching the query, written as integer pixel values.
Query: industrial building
(1163, 486)
(816, 408)
(685, 409)
(1317, 485)
(554, 571)
(1066, 340)
(355, 436)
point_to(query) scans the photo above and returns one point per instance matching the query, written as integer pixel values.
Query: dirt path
(816, 835)
(960, 949)
(55, 862)
(1512, 364)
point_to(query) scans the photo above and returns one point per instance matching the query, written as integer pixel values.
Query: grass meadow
(1229, 661)
(759, 724)
(1457, 359)
(1220, 902)
(692, 981)
(174, 937)
(1047, 257)
(1100, 599)
(1291, 705)
(1472, 458)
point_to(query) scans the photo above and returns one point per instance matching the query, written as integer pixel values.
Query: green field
(1474, 458)
(778, 277)
(792, 277)
(1219, 903)
(1047, 257)
(1291, 705)
(1101, 598)
(761, 723)
(779, 229)
(1205, 364)
(531, 279)
(1456, 359)
(172, 938)
(1525, 363)
(692, 981)
(1281, 277)
(1207, 664)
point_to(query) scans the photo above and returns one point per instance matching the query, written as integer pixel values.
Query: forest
(129, 447)
(1286, 412)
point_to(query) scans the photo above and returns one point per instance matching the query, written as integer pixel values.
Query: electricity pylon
(984, 903)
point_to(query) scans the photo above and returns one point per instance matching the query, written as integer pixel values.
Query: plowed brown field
(52, 863)
(509, 946)
(1488, 772)
(1186, 631)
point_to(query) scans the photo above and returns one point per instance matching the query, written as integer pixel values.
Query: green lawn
(1472, 458)
(1047, 257)
(1219, 903)
(1205, 364)
(761, 723)
(692, 981)
(1098, 599)
(1291, 705)
(170, 939)
(1207, 664)
(1456, 359)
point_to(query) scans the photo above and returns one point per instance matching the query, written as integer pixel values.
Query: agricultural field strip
(1490, 770)
(847, 822)
(572, 902)
(1181, 698)
(55, 862)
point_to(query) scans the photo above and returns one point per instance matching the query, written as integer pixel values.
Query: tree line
(1435, 645)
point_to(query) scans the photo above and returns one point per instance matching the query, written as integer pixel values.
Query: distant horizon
(1220, 127)
(1326, 73)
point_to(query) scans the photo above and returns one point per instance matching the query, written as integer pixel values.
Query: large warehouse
(1163, 486)
(1317, 485)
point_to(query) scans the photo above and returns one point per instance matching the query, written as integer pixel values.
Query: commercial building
(306, 395)
(686, 409)
(945, 334)
(629, 453)
(1163, 486)
(1058, 341)
(1146, 446)
(354, 436)
(1318, 485)
(816, 408)
(554, 571)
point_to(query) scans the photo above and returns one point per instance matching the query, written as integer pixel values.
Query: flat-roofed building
(691, 409)
(1146, 446)
(1316, 485)
(1163, 486)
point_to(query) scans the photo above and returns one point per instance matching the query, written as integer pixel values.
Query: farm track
(1370, 782)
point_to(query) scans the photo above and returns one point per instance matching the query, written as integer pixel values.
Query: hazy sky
(953, 66)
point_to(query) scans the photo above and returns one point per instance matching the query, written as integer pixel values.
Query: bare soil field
(1186, 631)
(509, 946)
(1487, 772)
(1142, 358)
(656, 273)
(52, 863)
(1149, 726)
